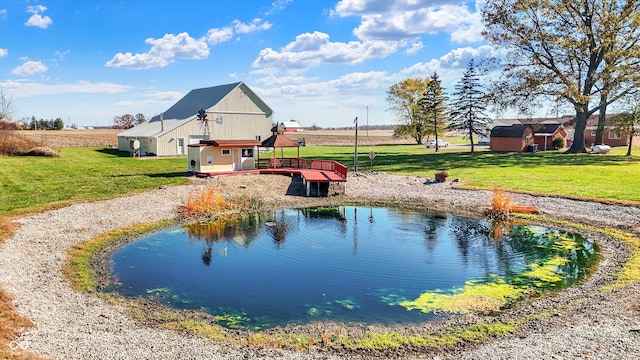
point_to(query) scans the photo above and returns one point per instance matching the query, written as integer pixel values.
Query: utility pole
(367, 121)
(355, 150)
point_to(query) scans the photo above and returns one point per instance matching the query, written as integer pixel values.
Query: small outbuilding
(210, 156)
(544, 135)
(511, 138)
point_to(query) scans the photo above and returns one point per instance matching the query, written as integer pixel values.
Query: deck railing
(299, 163)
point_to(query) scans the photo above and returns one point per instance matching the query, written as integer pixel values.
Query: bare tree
(6, 106)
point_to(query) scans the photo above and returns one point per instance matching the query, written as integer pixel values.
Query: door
(181, 148)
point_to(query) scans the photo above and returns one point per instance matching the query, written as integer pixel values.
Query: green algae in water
(564, 253)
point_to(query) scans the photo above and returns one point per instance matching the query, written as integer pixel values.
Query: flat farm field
(107, 137)
(73, 138)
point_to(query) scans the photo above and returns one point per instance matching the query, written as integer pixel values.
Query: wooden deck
(311, 171)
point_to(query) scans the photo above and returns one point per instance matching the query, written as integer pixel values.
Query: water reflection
(345, 263)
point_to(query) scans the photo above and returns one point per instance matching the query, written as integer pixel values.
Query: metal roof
(187, 108)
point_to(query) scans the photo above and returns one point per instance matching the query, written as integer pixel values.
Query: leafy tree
(58, 124)
(403, 99)
(469, 105)
(139, 119)
(126, 121)
(433, 108)
(571, 50)
(628, 122)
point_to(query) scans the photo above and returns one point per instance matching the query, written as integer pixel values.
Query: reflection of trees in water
(469, 231)
(278, 228)
(433, 222)
(239, 230)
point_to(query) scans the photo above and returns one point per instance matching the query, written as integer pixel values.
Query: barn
(511, 138)
(233, 112)
(291, 126)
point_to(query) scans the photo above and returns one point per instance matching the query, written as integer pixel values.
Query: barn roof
(187, 108)
(513, 131)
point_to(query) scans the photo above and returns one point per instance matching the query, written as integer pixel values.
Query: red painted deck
(313, 171)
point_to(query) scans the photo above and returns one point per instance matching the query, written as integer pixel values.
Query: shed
(234, 112)
(222, 155)
(544, 134)
(511, 138)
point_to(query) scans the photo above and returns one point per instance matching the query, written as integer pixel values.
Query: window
(528, 140)
(614, 135)
(258, 138)
(247, 153)
(593, 133)
(226, 152)
(242, 94)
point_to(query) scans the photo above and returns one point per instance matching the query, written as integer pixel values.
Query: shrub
(42, 151)
(558, 143)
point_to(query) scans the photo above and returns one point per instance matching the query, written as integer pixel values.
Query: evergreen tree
(433, 107)
(469, 106)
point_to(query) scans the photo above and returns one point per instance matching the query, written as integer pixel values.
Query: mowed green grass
(30, 184)
(591, 176)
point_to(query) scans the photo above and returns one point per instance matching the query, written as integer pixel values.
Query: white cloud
(3, 52)
(28, 88)
(396, 20)
(278, 5)
(170, 47)
(163, 51)
(255, 25)
(37, 19)
(29, 68)
(312, 49)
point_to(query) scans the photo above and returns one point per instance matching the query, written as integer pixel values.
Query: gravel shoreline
(586, 322)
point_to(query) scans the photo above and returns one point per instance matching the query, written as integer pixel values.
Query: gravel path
(69, 325)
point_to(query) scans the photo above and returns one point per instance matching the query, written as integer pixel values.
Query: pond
(348, 264)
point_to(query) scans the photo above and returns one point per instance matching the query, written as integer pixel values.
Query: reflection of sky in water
(352, 264)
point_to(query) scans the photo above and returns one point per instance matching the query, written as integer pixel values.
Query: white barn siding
(237, 115)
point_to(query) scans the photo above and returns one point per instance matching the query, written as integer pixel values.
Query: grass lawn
(31, 183)
(611, 177)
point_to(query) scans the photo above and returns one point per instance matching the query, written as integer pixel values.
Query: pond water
(348, 264)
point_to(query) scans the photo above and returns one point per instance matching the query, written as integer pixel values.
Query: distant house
(511, 138)
(545, 134)
(234, 112)
(291, 126)
(610, 136)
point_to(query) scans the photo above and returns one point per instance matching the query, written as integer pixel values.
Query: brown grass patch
(42, 151)
(211, 202)
(11, 324)
(12, 143)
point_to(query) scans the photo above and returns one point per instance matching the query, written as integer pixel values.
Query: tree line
(424, 108)
(584, 54)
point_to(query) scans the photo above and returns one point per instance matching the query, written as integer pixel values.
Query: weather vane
(202, 117)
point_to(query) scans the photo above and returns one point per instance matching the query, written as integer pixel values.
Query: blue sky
(318, 62)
